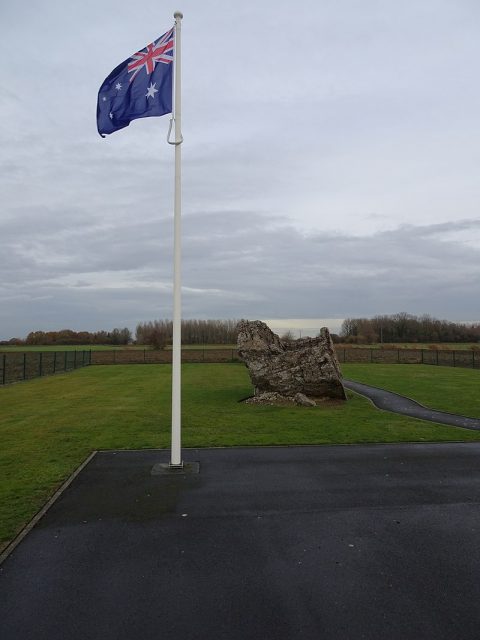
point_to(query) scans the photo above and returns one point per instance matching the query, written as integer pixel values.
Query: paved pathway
(333, 543)
(396, 403)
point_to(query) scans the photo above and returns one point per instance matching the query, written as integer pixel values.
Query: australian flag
(138, 88)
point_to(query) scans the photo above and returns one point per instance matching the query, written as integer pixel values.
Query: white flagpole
(176, 449)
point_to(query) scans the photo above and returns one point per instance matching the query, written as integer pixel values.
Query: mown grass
(49, 425)
(445, 388)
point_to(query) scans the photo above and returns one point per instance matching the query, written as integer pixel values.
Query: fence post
(40, 364)
(114, 357)
(453, 353)
(24, 366)
(398, 356)
(371, 356)
(473, 359)
(90, 357)
(66, 352)
(344, 355)
(437, 356)
(4, 368)
(422, 357)
(54, 361)
(144, 356)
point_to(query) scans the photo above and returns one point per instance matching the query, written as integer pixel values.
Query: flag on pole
(138, 88)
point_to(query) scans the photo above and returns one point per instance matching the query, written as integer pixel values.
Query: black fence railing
(458, 358)
(163, 356)
(15, 366)
(443, 357)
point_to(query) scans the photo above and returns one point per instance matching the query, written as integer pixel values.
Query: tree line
(400, 327)
(158, 333)
(403, 327)
(67, 336)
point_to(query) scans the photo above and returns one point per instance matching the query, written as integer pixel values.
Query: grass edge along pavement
(441, 388)
(50, 425)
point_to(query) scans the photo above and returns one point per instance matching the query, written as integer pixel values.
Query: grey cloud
(242, 264)
(338, 177)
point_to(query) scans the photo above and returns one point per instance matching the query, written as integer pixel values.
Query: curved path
(389, 401)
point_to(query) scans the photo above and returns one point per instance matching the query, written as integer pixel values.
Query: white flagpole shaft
(176, 449)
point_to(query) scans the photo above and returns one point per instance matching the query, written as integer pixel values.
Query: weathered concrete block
(307, 366)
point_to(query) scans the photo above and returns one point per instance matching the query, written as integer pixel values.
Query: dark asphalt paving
(331, 543)
(389, 401)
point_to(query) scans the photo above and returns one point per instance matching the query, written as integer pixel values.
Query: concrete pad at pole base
(166, 468)
(377, 541)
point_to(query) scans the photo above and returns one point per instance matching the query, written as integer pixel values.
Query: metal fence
(146, 356)
(464, 358)
(442, 357)
(15, 366)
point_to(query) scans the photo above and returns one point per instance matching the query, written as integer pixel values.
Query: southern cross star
(151, 91)
(118, 86)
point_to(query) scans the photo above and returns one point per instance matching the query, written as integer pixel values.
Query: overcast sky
(331, 163)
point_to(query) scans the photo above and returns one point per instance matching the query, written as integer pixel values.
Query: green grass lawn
(444, 388)
(49, 425)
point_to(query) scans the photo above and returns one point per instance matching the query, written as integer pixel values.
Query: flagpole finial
(178, 15)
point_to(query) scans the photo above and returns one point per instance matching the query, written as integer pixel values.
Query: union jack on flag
(159, 51)
(139, 87)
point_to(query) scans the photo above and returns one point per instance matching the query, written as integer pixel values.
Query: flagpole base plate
(168, 469)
